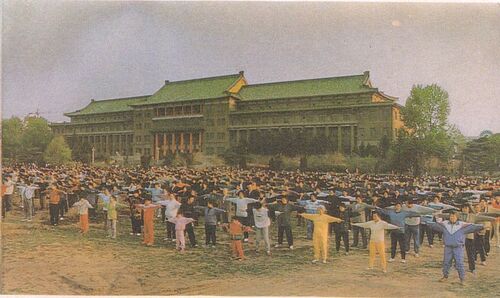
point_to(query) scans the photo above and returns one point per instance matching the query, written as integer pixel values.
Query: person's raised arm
(437, 227)
(363, 224)
(389, 226)
(333, 219)
(471, 228)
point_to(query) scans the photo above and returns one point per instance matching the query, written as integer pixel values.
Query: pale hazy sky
(58, 55)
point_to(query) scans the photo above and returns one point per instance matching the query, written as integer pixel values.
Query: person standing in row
(262, 223)
(54, 198)
(320, 235)
(377, 239)
(149, 212)
(241, 210)
(454, 232)
(83, 210)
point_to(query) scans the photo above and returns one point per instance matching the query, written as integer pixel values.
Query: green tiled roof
(204, 88)
(108, 106)
(312, 87)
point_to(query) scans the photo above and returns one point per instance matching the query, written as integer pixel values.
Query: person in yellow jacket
(320, 235)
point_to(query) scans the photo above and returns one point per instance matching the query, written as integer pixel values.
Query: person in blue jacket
(454, 232)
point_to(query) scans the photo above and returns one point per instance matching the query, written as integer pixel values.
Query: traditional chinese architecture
(211, 114)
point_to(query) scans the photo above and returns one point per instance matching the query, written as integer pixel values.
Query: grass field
(40, 259)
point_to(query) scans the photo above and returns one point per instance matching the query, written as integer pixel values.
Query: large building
(211, 114)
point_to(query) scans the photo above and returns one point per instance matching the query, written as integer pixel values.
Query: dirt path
(39, 259)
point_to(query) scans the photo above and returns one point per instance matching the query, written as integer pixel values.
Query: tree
(483, 154)
(428, 133)
(12, 131)
(57, 152)
(36, 136)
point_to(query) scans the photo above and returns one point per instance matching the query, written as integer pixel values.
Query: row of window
(210, 136)
(213, 122)
(179, 110)
(215, 150)
(140, 125)
(146, 138)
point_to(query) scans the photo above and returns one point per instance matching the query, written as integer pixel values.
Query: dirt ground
(39, 259)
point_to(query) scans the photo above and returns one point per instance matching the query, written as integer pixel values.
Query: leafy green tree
(57, 152)
(428, 132)
(12, 130)
(36, 136)
(483, 154)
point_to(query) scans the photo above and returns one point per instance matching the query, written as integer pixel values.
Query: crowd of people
(462, 211)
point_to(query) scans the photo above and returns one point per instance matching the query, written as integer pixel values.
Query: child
(320, 234)
(180, 226)
(377, 243)
(236, 230)
(210, 213)
(149, 212)
(83, 209)
(111, 216)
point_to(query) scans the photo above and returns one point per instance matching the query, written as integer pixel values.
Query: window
(372, 132)
(361, 132)
(210, 150)
(138, 139)
(220, 150)
(178, 111)
(221, 121)
(196, 109)
(169, 111)
(220, 136)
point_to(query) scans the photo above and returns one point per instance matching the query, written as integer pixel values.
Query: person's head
(453, 217)
(210, 204)
(409, 203)
(359, 199)
(284, 200)
(321, 209)
(136, 193)
(190, 200)
(376, 217)
(147, 201)
(313, 197)
(241, 194)
(397, 207)
(342, 207)
(258, 205)
(466, 208)
(179, 213)
(436, 199)
(477, 208)
(235, 220)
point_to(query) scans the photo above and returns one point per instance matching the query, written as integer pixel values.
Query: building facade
(212, 114)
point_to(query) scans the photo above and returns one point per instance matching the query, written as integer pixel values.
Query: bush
(57, 152)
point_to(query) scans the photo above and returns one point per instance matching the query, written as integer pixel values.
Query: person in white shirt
(262, 223)
(7, 195)
(241, 210)
(377, 239)
(171, 208)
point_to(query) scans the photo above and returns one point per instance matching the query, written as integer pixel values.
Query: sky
(58, 55)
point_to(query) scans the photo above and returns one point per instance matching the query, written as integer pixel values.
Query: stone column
(182, 142)
(200, 140)
(352, 139)
(190, 142)
(174, 144)
(339, 139)
(157, 150)
(165, 146)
